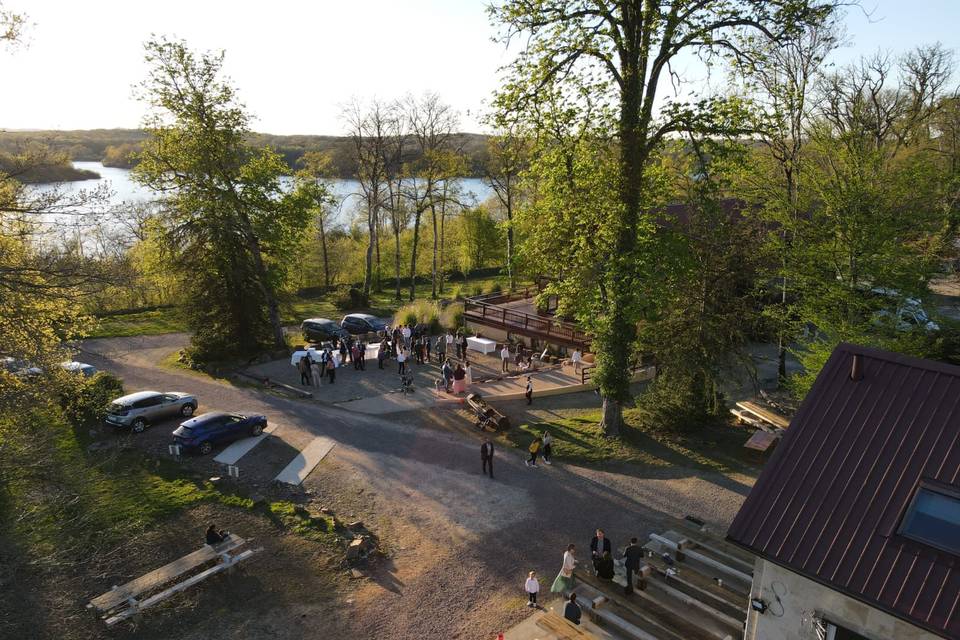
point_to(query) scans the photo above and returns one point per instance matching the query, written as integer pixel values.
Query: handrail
(484, 308)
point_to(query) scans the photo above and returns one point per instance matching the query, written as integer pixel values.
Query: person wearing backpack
(534, 449)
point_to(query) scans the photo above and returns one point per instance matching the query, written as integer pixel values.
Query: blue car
(203, 432)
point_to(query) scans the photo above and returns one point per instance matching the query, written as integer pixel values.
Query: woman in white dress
(469, 371)
(564, 579)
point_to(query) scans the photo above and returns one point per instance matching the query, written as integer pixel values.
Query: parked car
(86, 370)
(904, 314)
(200, 434)
(321, 330)
(139, 410)
(361, 323)
(20, 368)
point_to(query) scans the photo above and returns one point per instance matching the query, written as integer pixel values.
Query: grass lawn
(293, 310)
(579, 440)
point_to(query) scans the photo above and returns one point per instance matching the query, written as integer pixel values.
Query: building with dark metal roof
(855, 520)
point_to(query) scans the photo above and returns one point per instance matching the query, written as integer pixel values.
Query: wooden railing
(643, 361)
(489, 310)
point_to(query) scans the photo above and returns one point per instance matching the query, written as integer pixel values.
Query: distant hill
(114, 147)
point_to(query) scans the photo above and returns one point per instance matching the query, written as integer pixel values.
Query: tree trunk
(326, 263)
(436, 241)
(443, 220)
(377, 284)
(509, 210)
(612, 417)
(372, 241)
(413, 254)
(396, 259)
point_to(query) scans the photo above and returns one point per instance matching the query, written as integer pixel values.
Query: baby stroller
(406, 383)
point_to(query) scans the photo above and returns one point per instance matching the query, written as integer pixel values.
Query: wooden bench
(562, 628)
(122, 602)
(763, 414)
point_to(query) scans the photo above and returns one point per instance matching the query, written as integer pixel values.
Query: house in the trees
(855, 520)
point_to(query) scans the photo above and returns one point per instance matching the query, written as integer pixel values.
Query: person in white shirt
(564, 579)
(576, 359)
(505, 359)
(532, 587)
(469, 374)
(406, 333)
(449, 340)
(402, 361)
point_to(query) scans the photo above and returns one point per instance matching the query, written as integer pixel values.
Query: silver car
(139, 410)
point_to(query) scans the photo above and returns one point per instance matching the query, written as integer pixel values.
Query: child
(533, 449)
(532, 586)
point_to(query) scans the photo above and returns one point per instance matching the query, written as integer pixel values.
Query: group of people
(601, 555)
(316, 363)
(542, 446)
(522, 357)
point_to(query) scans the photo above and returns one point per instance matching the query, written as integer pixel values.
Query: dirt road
(459, 543)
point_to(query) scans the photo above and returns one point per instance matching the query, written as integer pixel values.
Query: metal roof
(829, 502)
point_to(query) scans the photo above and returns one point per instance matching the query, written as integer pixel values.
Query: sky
(297, 63)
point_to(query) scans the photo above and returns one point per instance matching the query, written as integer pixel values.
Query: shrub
(419, 312)
(452, 317)
(350, 298)
(477, 290)
(85, 400)
(496, 287)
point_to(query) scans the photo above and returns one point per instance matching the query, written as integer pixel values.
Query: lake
(123, 189)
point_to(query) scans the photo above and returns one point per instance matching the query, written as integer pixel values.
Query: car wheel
(205, 448)
(139, 425)
(187, 410)
(257, 429)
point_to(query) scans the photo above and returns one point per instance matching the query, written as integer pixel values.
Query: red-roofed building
(855, 520)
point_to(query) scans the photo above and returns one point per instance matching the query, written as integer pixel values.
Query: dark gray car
(144, 408)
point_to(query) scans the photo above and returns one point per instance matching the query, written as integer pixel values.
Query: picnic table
(483, 345)
(126, 600)
(759, 416)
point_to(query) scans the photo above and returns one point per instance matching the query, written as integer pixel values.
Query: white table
(483, 345)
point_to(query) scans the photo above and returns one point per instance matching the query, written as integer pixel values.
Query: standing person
(598, 545)
(532, 587)
(397, 335)
(564, 579)
(505, 358)
(355, 356)
(331, 369)
(467, 374)
(547, 447)
(632, 555)
(463, 345)
(441, 349)
(529, 392)
(577, 360)
(401, 361)
(362, 355)
(486, 456)
(405, 331)
(382, 353)
(605, 567)
(317, 373)
(571, 611)
(459, 384)
(447, 372)
(534, 449)
(426, 346)
(418, 349)
(344, 349)
(449, 340)
(304, 367)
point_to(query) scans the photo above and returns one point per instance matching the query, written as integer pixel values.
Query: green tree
(229, 228)
(620, 53)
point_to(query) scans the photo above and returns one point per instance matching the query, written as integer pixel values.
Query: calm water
(123, 189)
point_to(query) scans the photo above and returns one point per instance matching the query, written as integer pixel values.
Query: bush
(477, 290)
(350, 298)
(85, 400)
(419, 312)
(496, 287)
(452, 317)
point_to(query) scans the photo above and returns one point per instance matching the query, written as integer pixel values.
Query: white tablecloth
(483, 345)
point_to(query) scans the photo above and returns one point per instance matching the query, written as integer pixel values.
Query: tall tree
(229, 226)
(621, 52)
(506, 159)
(318, 165)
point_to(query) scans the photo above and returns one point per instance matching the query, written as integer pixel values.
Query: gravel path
(459, 543)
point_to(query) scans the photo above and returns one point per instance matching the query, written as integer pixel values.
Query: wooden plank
(732, 624)
(765, 414)
(714, 549)
(689, 575)
(740, 580)
(562, 628)
(301, 466)
(761, 441)
(679, 582)
(240, 448)
(163, 575)
(180, 586)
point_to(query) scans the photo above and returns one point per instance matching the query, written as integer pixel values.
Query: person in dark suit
(571, 611)
(215, 536)
(486, 456)
(598, 545)
(632, 555)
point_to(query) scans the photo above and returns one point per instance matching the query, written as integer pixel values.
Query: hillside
(114, 147)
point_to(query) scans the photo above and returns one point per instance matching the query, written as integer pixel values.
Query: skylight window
(934, 519)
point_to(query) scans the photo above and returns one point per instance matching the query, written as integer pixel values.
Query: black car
(361, 323)
(321, 330)
(200, 434)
